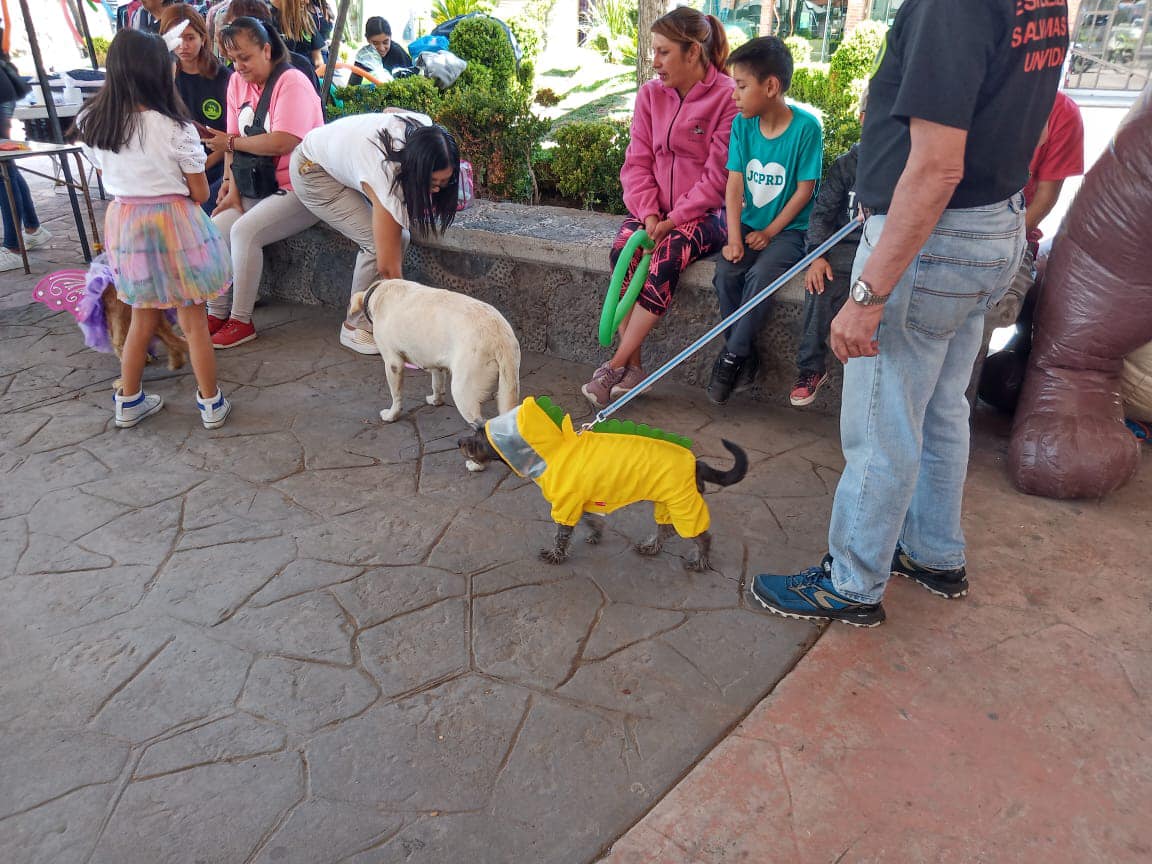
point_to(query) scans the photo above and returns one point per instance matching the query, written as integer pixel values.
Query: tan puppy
(118, 314)
(466, 344)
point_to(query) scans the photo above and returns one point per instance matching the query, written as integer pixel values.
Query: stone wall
(546, 269)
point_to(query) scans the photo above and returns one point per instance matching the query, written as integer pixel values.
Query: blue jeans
(25, 210)
(904, 417)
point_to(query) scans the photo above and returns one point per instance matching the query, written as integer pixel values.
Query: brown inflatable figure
(1069, 438)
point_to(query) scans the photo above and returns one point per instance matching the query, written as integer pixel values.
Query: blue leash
(751, 304)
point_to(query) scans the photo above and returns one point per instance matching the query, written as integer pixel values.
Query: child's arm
(796, 203)
(760, 239)
(190, 158)
(197, 186)
(831, 201)
(818, 271)
(733, 205)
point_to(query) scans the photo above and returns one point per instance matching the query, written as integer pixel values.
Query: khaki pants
(347, 210)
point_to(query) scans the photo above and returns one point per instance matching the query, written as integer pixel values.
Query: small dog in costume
(608, 467)
(90, 297)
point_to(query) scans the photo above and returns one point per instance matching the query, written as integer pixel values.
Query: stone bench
(546, 269)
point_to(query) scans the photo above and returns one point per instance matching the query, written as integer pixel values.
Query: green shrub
(498, 134)
(800, 48)
(838, 106)
(482, 40)
(100, 46)
(528, 37)
(442, 10)
(810, 84)
(611, 26)
(474, 75)
(857, 54)
(835, 87)
(586, 163)
(531, 27)
(415, 93)
(737, 34)
(542, 169)
(526, 75)
(547, 97)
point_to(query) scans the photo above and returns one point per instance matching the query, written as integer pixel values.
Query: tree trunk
(767, 18)
(649, 11)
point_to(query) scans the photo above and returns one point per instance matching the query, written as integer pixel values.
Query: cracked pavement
(310, 637)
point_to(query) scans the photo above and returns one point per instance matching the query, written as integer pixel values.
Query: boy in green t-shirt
(774, 160)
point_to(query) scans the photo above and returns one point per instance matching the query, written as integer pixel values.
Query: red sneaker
(233, 333)
(214, 324)
(807, 385)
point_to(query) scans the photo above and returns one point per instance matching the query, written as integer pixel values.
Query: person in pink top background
(250, 224)
(674, 176)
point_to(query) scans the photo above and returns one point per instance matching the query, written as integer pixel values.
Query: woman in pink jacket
(673, 176)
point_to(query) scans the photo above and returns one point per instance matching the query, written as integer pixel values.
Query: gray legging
(262, 221)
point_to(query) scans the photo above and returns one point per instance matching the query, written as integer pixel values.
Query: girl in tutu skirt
(164, 250)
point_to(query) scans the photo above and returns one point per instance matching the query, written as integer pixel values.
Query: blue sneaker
(812, 596)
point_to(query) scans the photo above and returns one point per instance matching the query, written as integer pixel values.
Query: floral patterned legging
(683, 245)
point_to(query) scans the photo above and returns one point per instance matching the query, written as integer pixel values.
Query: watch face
(859, 291)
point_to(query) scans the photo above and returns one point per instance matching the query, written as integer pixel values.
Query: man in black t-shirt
(959, 97)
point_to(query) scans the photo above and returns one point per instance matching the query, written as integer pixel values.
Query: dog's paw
(474, 466)
(696, 564)
(553, 556)
(648, 548)
(594, 538)
(434, 400)
(390, 415)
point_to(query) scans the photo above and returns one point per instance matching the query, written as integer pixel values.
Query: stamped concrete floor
(310, 637)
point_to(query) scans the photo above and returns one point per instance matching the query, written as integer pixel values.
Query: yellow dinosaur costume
(601, 470)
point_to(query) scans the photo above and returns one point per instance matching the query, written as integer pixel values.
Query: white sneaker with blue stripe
(213, 411)
(130, 410)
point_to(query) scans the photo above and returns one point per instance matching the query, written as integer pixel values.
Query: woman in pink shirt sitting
(673, 176)
(250, 223)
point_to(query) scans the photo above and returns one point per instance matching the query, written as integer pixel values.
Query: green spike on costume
(554, 411)
(627, 427)
(615, 427)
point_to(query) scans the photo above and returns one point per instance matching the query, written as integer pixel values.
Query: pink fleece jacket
(675, 164)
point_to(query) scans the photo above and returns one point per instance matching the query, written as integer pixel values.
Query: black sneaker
(950, 584)
(725, 371)
(746, 377)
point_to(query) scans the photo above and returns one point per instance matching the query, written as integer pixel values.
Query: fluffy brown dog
(90, 297)
(118, 314)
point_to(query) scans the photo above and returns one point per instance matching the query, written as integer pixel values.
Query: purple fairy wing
(62, 291)
(92, 321)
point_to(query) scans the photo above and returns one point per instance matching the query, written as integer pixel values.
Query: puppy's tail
(356, 303)
(508, 362)
(708, 474)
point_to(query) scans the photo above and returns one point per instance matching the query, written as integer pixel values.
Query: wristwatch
(862, 294)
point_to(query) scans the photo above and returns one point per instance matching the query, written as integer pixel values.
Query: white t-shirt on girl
(349, 150)
(154, 159)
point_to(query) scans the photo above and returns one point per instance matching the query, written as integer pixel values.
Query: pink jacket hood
(675, 166)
